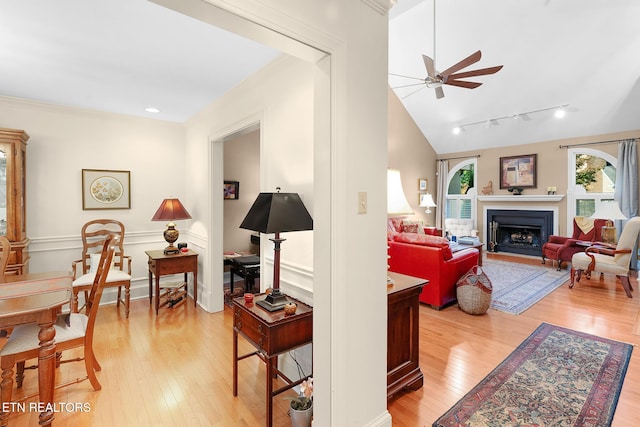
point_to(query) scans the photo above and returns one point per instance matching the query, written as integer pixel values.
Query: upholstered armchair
(561, 248)
(608, 258)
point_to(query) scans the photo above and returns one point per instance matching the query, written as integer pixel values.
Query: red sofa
(429, 257)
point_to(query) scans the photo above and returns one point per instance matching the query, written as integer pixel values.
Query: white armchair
(460, 227)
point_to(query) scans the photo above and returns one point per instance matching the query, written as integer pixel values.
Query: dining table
(39, 298)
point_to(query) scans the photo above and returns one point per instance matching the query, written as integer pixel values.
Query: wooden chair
(72, 330)
(608, 258)
(94, 234)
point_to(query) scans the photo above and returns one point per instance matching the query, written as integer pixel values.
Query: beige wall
(552, 168)
(412, 154)
(242, 164)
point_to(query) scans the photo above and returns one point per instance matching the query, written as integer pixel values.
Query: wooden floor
(175, 369)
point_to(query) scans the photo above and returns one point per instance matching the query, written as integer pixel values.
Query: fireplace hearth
(518, 231)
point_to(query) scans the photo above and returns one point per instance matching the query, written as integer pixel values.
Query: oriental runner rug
(556, 377)
(516, 287)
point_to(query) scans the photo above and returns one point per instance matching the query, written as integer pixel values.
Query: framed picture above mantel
(519, 171)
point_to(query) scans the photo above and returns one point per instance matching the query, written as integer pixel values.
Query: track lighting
(560, 112)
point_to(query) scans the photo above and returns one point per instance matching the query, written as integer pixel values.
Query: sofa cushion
(394, 224)
(426, 240)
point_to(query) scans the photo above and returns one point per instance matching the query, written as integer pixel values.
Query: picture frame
(519, 171)
(422, 184)
(231, 190)
(106, 189)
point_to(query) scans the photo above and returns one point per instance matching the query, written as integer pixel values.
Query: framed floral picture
(106, 189)
(231, 190)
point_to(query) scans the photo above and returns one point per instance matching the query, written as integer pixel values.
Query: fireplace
(518, 231)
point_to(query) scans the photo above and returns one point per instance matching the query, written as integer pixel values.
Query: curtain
(441, 192)
(626, 190)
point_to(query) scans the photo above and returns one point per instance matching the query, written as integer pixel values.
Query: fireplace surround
(518, 231)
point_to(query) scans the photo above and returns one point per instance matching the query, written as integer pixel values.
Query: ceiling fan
(450, 76)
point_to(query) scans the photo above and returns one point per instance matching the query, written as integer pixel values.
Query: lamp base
(171, 250)
(274, 301)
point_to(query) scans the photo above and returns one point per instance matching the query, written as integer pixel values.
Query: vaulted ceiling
(126, 55)
(580, 53)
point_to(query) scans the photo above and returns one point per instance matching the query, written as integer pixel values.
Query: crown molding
(380, 6)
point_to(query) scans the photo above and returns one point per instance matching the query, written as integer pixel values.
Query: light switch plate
(362, 202)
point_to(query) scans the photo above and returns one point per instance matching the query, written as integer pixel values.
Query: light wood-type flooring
(175, 369)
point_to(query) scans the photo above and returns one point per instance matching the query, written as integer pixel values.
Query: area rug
(556, 377)
(516, 287)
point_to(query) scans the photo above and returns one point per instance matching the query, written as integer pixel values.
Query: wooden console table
(161, 265)
(403, 321)
(271, 333)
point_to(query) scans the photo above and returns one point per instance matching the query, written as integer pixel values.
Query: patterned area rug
(556, 377)
(516, 287)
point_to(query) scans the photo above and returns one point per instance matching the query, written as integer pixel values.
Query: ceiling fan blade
(417, 90)
(439, 92)
(460, 83)
(407, 77)
(471, 59)
(409, 85)
(428, 63)
(473, 73)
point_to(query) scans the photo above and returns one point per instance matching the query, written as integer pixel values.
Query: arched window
(461, 191)
(592, 178)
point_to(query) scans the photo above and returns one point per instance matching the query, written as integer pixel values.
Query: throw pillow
(394, 224)
(410, 226)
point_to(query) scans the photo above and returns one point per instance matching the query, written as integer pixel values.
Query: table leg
(480, 256)
(46, 370)
(157, 294)
(231, 284)
(150, 286)
(269, 394)
(195, 283)
(235, 362)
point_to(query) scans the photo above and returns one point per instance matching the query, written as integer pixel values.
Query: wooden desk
(271, 334)
(35, 298)
(161, 265)
(403, 324)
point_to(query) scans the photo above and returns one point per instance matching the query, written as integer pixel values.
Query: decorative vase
(301, 418)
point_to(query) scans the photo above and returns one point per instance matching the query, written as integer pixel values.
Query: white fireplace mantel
(522, 198)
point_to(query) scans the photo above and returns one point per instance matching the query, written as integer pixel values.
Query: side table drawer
(255, 331)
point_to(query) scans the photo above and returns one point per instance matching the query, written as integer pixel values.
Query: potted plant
(302, 406)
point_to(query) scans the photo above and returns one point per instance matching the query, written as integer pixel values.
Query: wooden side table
(271, 333)
(161, 265)
(403, 321)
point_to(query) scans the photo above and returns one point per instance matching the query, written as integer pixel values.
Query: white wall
(63, 141)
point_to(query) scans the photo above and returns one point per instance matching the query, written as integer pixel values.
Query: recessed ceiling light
(151, 110)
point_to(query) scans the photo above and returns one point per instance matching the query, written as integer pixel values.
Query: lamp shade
(396, 201)
(276, 213)
(171, 210)
(608, 210)
(426, 201)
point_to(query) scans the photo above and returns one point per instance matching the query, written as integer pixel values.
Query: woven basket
(474, 291)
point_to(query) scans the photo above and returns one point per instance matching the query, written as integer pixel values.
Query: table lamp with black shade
(275, 213)
(171, 210)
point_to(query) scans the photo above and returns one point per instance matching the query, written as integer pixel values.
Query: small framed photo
(518, 171)
(422, 185)
(231, 190)
(106, 189)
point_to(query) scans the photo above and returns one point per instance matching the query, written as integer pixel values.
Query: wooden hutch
(13, 208)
